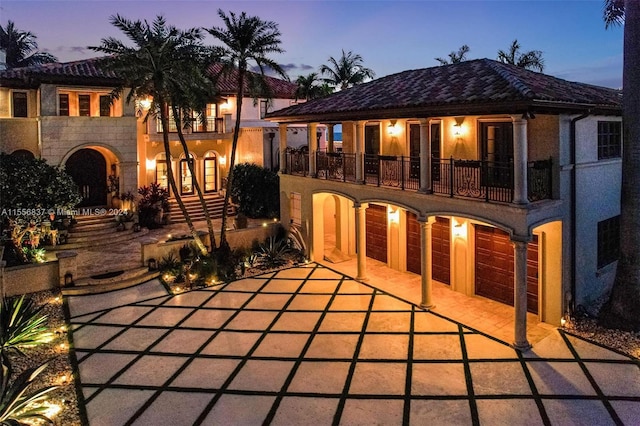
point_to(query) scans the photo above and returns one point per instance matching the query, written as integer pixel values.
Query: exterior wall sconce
(68, 279)
(459, 229)
(391, 129)
(152, 264)
(145, 103)
(223, 160)
(151, 164)
(457, 128)
(394, 215)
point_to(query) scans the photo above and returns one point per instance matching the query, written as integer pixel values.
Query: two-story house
(497, 181)
(61, 112)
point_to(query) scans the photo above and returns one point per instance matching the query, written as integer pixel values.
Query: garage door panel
(495, 265)
(376, 225)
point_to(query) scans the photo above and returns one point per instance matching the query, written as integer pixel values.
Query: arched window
(23, 154)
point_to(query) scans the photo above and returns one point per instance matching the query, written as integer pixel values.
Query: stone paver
(308, 345)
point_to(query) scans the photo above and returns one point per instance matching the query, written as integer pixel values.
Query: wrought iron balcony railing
(487, 180)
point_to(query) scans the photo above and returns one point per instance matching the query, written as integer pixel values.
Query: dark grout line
(406, 412)
(203, 415)
(299, 359)
(352, 367)
(614, 416)
(534, 390)
(473, 406)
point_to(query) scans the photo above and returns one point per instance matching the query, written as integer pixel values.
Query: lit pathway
(308, 345)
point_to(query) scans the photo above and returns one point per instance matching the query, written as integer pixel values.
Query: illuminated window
(63, 104)
(105, 106)
(84, 105)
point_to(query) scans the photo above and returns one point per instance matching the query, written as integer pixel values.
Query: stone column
(520, 195)
(282, 138)
(520, 294)
(312, 143)
(425, 156)
(330, 147)
(426, 265)
(359, 133)
(361, 240)
(67, 264)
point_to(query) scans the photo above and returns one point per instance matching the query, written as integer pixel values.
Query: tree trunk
(232, 160)
(623, 309)
(172, 182)
(203, 203)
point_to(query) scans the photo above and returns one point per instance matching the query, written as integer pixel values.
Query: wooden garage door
(440, 255)
(376, 224)
(494, 267)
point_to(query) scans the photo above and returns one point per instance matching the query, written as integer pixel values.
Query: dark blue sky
(391, 36)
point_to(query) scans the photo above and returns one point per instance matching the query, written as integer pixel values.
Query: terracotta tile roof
(89, 70)
(462, 88)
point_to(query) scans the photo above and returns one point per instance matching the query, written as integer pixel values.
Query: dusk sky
(391, 36)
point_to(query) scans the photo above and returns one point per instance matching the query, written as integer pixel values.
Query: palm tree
(455, 57)
(623, 308)
(309, 87)
(246, 40)
(528, 60)
(346, 71)
(159, 62)
(21, 48)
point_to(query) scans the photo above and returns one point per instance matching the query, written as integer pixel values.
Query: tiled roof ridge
(504, 72)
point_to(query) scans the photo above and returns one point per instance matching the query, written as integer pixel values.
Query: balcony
(478, 179)
(208, 125)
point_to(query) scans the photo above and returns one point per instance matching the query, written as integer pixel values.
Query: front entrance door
(88, 168)
(495, 263)
(210, 174)
(376, 224)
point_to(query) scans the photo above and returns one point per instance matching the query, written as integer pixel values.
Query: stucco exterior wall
(19, 133)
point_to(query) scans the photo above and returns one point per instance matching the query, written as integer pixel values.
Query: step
(93, 226)
(98, 232)
(126, 275)
(117, 237)
(103, 288)
(85, 220)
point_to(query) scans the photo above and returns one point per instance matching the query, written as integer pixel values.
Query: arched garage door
(440, 242)
(494, 267)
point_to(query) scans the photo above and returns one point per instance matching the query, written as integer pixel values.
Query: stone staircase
(108, 259)
(214, 203)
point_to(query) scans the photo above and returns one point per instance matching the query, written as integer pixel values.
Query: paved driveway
(308, 345)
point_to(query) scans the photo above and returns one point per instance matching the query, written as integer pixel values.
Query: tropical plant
(455, 57)
(311, 87)
(623, 308)
(17, 407)
(158, 64)
(170, 264)
(246, 41)
(22, 324)
(21, 48)
(256, 191)
(153, 200)
(528, 60)
(273, 252)
(346, 71)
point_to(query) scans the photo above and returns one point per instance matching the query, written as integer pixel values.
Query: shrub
(21, 325)
(256, 191)
(154, 199)
(273, 253)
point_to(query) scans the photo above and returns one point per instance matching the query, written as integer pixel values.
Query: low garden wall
(152, 248)
(23, 279)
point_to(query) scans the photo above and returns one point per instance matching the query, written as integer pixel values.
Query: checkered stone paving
(308, 345)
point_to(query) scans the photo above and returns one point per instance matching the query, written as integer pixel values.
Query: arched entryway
(88, 168)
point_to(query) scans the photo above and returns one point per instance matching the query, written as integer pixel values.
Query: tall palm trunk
(623, 309)
(172, 182)
(196, 185)
(232, 160)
